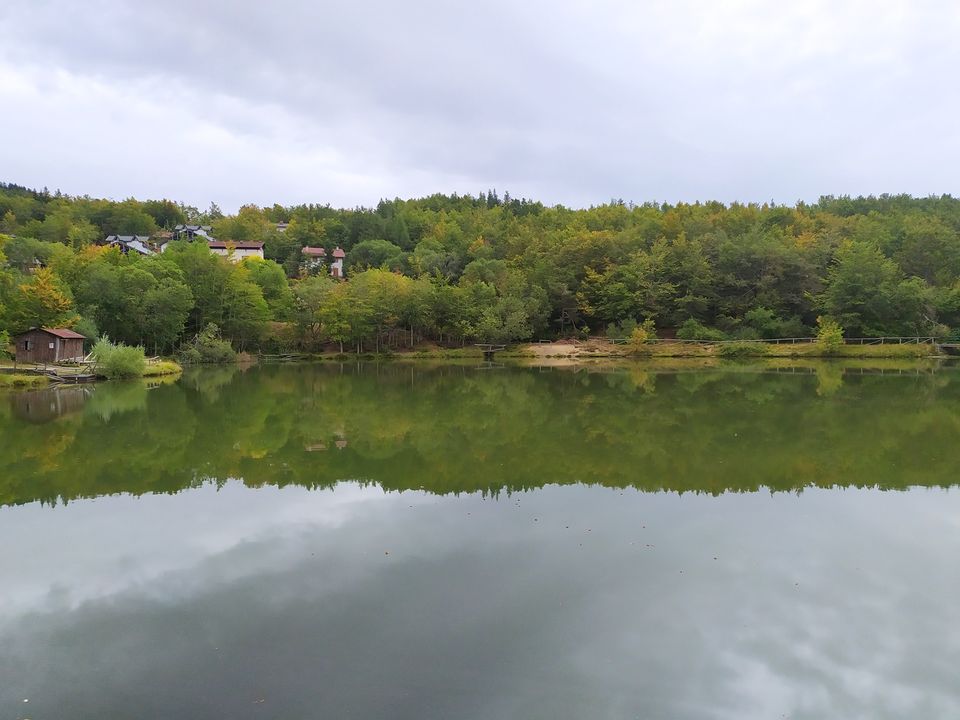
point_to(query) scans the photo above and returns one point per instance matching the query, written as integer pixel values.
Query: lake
(418, 541)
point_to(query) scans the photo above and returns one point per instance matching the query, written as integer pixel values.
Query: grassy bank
(21, 381)
(733, 350)
(599, 349)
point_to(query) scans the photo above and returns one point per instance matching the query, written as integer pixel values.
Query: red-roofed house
(312, 259)
(49, 345)
(336, 267)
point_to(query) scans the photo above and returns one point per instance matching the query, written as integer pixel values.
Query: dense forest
(452, 269)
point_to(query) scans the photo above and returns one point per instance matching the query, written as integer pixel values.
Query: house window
(50, 346)
(28, 344)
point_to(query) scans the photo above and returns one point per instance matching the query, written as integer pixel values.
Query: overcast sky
(348, 101)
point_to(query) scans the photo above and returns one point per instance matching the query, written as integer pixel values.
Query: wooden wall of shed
(40, 350)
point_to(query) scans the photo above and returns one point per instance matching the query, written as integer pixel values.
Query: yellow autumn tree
(42, 301)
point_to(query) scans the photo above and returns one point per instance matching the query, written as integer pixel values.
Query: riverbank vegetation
(22, 381)
(450, 270)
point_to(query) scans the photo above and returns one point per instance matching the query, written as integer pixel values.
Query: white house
(336, 267)
(236, 251)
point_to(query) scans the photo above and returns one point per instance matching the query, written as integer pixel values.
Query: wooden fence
(887, 340)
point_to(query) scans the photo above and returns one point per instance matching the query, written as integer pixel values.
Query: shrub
(829, 334)
(794, 328)
(162, 367)
(743, 349)
(207, 347)
(623, 329)
(118, 361)
(694, 330)
(640, 336)
(4, 344)
(746, 333)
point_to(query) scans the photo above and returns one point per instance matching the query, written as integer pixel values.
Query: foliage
(16, 380)
(622, 329)
(829, 334)
(693, 329)
(41, 301)
(455, 269)
(207, 347)
(116, 360)
(640, 337)
(161, 367)
(88, 328)
(5, 344)
(743, 349)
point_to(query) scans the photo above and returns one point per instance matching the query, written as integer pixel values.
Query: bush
(794, 328)
(4, 344)
(118, 361)
(207, 347)
(829, 334)
(623, 329)
(640, 336)
(746, 333)
(743, 349)
(694, 330)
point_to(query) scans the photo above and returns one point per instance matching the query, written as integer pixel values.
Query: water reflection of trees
(449, 429)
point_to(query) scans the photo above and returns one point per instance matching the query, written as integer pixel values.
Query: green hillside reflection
(456, 429)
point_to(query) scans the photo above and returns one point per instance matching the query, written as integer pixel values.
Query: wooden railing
(886, 340)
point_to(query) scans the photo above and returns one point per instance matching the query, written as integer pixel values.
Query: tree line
(460, 268)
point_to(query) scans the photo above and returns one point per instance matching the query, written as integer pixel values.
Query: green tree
(272, 281)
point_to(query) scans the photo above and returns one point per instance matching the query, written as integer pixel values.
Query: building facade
(336, 267)
(236, 251)
(313, 260)
(49, 345)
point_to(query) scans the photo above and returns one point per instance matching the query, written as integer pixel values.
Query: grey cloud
(575, 102)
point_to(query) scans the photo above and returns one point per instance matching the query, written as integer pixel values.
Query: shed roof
(317, 251)
(63, 333)
(339, 253)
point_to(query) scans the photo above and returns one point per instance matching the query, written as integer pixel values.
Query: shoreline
(603, 350)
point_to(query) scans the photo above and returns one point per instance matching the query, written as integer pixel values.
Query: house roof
(131, 242)
(316, 251)
(126, 238)
(224, 244)
(339, 253)
(63, 333)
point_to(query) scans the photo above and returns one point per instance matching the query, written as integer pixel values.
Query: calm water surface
(320, 541)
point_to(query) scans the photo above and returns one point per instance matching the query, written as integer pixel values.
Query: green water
(407, 541)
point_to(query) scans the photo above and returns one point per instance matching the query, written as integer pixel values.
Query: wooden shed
(49, 345)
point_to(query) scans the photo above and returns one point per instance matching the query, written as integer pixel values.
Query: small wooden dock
(489, 349)
(72, 379)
